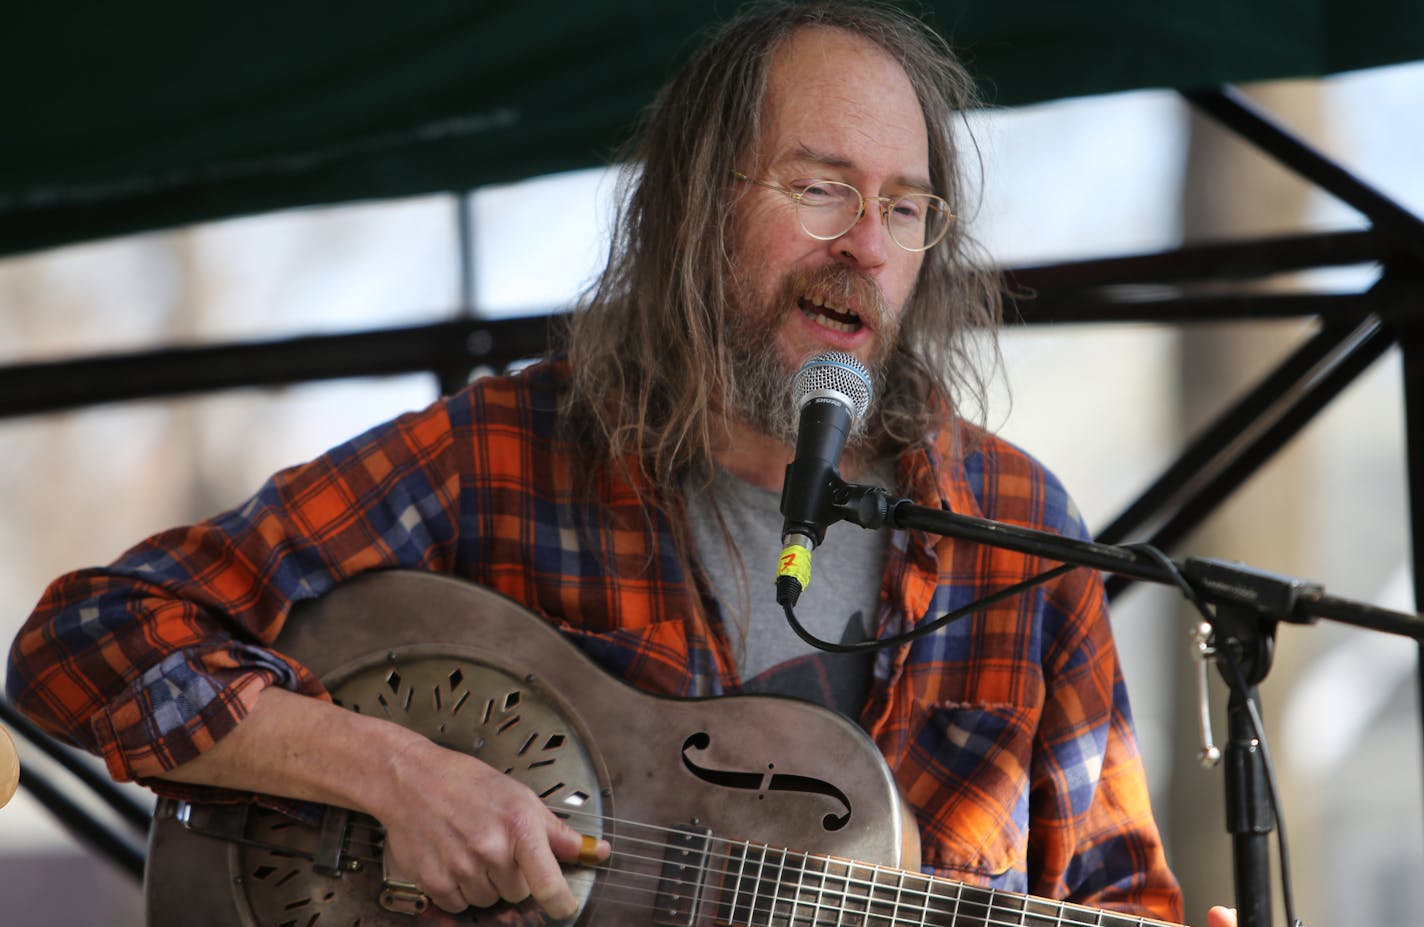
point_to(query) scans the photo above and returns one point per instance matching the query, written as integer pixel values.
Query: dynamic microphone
(832, 391)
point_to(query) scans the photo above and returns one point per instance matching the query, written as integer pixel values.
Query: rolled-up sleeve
(151, 660)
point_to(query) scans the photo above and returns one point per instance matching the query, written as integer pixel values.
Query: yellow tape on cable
(795, 563)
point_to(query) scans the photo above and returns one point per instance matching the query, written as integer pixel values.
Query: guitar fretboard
(758, 885)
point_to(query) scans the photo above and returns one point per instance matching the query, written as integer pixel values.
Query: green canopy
(126, 117)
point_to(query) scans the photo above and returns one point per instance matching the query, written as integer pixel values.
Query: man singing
(793, 190)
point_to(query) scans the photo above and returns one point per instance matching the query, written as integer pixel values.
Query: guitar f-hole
(765, 783)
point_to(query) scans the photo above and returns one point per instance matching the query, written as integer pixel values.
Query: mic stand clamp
(867, 506)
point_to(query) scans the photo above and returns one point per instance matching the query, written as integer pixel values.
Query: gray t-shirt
(839, 605)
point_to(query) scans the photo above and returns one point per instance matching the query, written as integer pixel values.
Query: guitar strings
(767, 871)
(773, 861)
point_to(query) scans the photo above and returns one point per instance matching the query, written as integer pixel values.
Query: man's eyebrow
(804, 154)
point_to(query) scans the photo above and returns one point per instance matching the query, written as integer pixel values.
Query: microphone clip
(866, 506)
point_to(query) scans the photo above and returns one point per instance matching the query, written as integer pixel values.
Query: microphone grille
(834, 372)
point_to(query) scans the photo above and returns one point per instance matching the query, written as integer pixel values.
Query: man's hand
(469, 835)
(1221, 917)
(461, 831)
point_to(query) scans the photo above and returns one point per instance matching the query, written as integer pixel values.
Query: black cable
(788, 590)
(1237, 680)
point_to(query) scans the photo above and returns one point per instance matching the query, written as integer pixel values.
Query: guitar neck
(757, 884)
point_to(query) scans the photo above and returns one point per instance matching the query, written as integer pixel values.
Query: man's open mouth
(831, 317)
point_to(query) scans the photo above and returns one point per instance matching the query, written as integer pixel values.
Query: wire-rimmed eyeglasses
(827, 209)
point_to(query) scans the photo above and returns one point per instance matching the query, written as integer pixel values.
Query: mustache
(841, 287)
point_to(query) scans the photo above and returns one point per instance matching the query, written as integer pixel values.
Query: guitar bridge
(682, 877)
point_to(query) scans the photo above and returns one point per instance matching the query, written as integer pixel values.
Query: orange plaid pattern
(1008, 730)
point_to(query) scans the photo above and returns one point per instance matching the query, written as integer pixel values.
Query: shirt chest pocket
(967, 777)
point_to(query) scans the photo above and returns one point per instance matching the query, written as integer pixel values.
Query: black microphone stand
(1249, 605)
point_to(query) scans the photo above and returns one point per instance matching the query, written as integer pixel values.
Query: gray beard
(761, 395)
(760, 392)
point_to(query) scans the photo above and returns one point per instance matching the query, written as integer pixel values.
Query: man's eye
(908, 210)
(819, 193)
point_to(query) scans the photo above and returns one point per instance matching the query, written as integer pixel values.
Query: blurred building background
(1105, 406)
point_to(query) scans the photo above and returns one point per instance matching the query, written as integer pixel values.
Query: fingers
(532, 870)
(470, 835)
(475, 891)
(572, 846)
(546, 880)
(477, 870)
(1221, 917)
(508, 883)
(455, 883)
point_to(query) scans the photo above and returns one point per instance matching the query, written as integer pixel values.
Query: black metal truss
(1215, 282)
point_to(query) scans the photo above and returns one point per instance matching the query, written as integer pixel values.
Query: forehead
(844, 99)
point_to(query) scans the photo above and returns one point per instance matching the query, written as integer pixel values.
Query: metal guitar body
(479, 673)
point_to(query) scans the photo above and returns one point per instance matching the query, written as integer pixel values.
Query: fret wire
(758, 886)
(776, 889)
(864, 889)
(876, 881)
(860, 896)
(851, 880)
(828, 885)
(867, 897)
(796, 890)
(781, 880)
(840, 905)
(897, 903)
(729, 884)
(852, 898)
(899, 892)
(1041, 910)
(924, 895)
(757, 883)
(801, 890)
(819, 890)
(721, 877)
(925, 910)
(741, 871)
(948, 903)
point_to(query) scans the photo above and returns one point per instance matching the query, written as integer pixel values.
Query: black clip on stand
(1249, 605)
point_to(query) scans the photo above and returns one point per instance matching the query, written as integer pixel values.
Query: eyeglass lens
(828, 209)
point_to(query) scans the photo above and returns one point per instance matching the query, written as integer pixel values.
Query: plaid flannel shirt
(1008, 731)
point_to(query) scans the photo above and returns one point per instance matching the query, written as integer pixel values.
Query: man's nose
(865, 244)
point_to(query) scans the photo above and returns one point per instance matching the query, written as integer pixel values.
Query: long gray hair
(650, 346)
